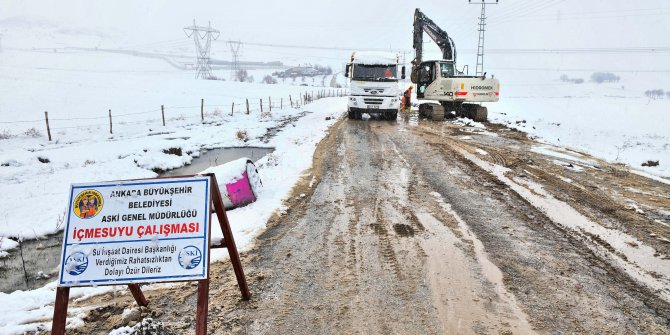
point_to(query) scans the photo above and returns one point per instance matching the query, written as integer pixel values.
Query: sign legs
(228, 239)
(138, 295)
(202, 308)
(60, 311)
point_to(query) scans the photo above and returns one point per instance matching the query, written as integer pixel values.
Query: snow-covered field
(78, 88)
(614, 121)
(22, 311)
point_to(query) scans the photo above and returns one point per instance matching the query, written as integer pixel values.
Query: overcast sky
(361, 24)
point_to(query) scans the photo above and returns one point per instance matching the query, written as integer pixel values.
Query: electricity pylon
(199, 34)
(235, 51)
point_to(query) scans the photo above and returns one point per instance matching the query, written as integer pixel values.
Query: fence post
(163, 114)
(110, 122)
(202, 110)
(247, 106)
(281, 103)
(270, 103)
(46, 117)
(261, 105)
(232, 109)
(290, 99)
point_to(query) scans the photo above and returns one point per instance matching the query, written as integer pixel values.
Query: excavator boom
(440, 37)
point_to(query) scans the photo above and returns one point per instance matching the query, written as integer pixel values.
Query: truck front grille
(373, 101)
(374, 90)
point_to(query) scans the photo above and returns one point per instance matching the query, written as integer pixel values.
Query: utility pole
(235, 62)
(479, 69)
(206, 34)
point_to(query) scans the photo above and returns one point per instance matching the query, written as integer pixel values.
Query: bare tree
(242, 75)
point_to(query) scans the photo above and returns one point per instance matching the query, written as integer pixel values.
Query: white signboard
(137, 232)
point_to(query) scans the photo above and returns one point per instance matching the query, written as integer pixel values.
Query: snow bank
(229, 172)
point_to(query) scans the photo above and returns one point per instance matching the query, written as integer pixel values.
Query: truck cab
(373, 85)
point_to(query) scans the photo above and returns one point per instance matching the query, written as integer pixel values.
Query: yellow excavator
(440, 80)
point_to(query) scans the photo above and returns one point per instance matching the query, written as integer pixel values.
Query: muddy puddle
(41, 257)
(217, 157)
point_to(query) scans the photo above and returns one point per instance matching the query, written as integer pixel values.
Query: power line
(632, 50)
(296, 46)
(204, 68)
(530, 10)
(578, 70)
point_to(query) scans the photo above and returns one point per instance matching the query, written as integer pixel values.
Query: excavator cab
(425, 76)
(428, 71)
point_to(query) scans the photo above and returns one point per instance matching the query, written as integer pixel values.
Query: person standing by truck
(407, 100)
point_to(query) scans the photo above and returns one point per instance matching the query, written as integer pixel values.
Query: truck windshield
(375, 72)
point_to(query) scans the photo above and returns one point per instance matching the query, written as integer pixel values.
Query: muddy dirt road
(414, 227)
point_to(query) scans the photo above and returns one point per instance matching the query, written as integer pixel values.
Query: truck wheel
(393, 116)
(350, 114)
(358, 115)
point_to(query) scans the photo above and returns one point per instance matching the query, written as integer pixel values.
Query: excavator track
(432, 111)
(475, 112)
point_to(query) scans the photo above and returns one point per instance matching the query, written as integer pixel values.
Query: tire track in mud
(516, 245)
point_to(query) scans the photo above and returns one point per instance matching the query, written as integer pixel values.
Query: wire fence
(238, 106)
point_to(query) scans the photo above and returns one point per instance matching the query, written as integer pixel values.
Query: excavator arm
(440, 37)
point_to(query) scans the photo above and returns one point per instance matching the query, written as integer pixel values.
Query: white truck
(373, 86)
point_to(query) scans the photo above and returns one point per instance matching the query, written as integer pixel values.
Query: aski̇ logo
(190, 257)
(76, 263)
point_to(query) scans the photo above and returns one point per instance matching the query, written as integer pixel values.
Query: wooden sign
(143, 231)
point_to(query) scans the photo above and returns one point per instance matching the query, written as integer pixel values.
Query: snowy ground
(614, 121)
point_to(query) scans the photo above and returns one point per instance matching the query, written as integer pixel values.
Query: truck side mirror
(346, 71)
(402, 71)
